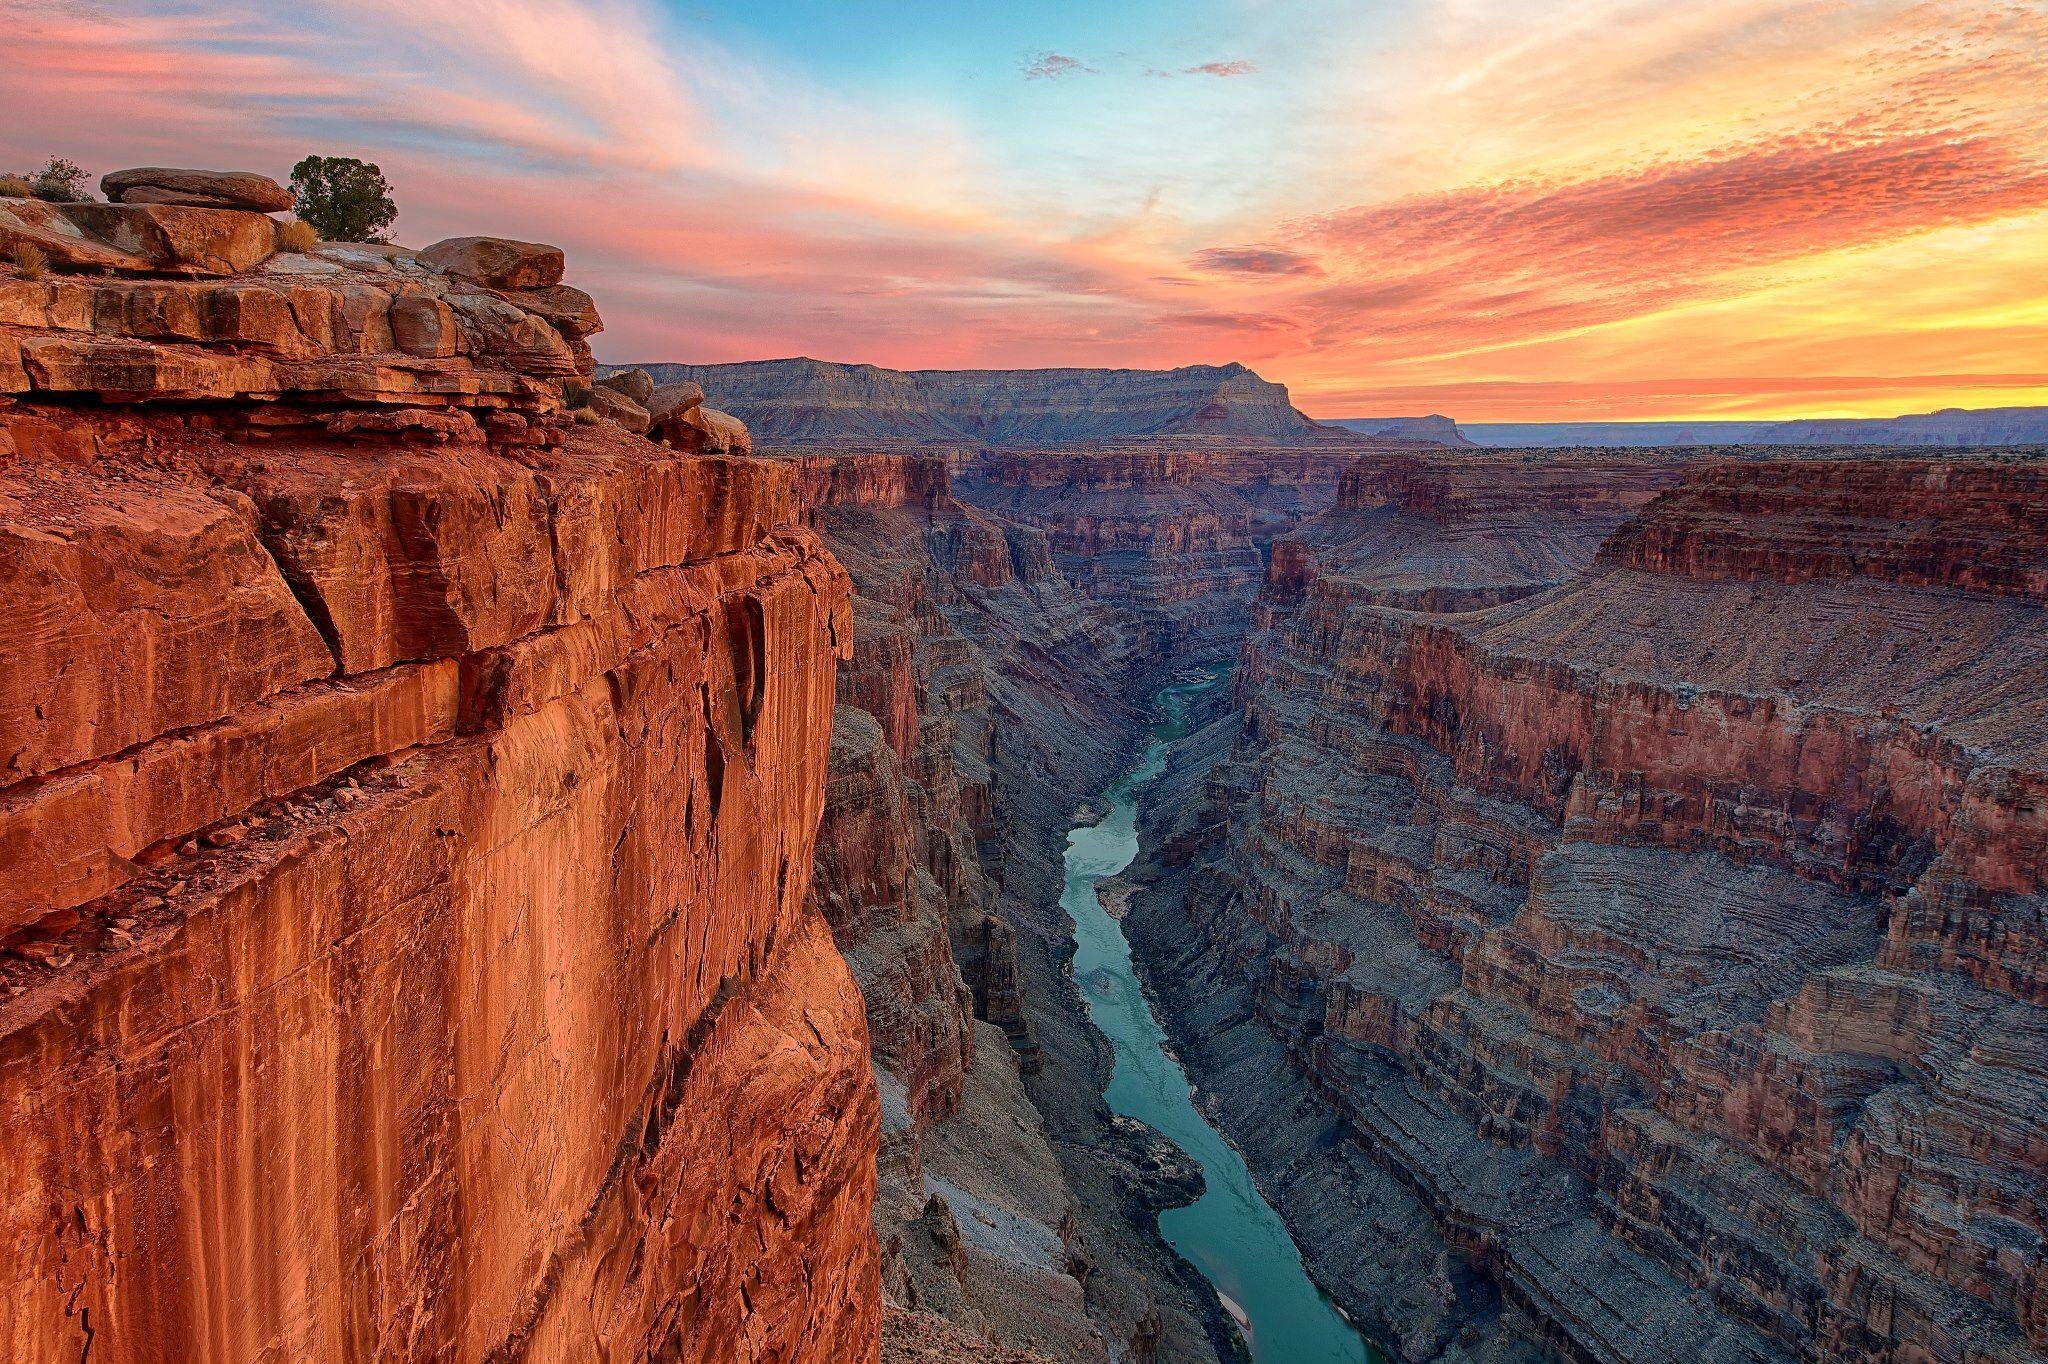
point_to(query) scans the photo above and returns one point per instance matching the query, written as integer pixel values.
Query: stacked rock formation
(197, 306)
(673, 414)
(407, 806)
(1645, 938)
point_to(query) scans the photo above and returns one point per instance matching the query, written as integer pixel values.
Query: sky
(1501, 210)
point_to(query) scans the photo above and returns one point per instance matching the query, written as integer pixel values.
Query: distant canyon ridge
(802, 401)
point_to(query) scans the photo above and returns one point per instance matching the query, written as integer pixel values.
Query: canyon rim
(1390, 707)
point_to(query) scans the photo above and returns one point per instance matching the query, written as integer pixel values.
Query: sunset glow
(1501, 211)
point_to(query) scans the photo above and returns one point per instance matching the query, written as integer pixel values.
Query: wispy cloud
(1489, 261)
(1047, 66)
(1253, 260)
(1224, 69)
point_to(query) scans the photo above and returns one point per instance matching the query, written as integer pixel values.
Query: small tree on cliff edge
(345, 200)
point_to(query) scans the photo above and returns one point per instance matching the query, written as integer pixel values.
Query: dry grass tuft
(14, 187)
(30, 262)
(296, 235)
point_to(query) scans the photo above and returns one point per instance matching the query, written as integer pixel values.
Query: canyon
(1002, 650)
(508, 862)
(1610, 912)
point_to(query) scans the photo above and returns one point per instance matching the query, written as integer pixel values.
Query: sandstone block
(196, 189)
(120, 603)
(424, 326)
(636, 384)
(573, 312)
(499, 262)
(179, 240)
(672, 400)
(704, 430)
(615, 406)
(31, 222)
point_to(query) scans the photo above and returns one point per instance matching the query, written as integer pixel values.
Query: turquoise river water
(1231, 1234)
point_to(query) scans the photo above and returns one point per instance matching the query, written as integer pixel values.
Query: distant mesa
(1950, 428)
(809, 402)
(1435, 429)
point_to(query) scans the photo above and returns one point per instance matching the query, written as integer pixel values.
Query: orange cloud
(1517, 261)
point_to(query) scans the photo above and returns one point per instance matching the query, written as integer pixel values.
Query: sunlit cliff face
(1612, 208)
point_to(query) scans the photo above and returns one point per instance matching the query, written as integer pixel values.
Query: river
(1231, 1234)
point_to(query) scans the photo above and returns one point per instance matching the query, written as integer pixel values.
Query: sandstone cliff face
(981, 702)
(811, 402)
(1660, 928)
(407, 800)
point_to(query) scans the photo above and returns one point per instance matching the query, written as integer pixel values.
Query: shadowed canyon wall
(1173, 532)
(1617, 915)
(407, 801)
(984, 699)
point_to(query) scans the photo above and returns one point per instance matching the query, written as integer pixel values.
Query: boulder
(613, 405)
(32, 222)
(573, 312)
(173, 239)
(705, 431)
(498, 262)
(196, 189)
(671, 400)
(636, 384)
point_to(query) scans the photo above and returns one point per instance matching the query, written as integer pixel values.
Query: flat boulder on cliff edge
(670, 400)
(616, 406)
(705, 431)
(498, 262)
(196, 189)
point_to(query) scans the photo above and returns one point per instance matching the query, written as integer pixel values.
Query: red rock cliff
(407, 819)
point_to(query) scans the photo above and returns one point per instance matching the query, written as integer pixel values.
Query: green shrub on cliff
(345, 200)
(59, 181)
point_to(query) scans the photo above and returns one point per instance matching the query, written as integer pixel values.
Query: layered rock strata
(982, 700)
(340, 339)
(407, 803)
(1175, 532)
(1646, 943)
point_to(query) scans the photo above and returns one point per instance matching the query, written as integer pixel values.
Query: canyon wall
(985, 697)
(816, 402)
(407, 800)
(1613, 926)
(1174, 532)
